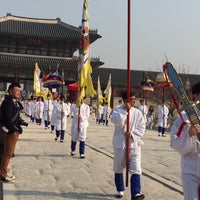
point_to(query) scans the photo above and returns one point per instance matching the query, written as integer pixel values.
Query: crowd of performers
(54, 110)
(53, 113)
(152, 115)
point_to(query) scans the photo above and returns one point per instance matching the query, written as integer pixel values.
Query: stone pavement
(44, 168)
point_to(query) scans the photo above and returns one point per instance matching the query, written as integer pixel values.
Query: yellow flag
(108, 91)
(37, 81)
(99, 93)
(84, 67)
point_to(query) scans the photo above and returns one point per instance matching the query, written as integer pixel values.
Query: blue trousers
(81, 147)
(52, 127)
(39, 121)
(61, 134)
(161, 130)
(135, 184)
(46, 123)
(119, 182)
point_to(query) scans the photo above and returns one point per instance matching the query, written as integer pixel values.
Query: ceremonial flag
(84, 67)
(37, 81)
(108, 91)
(89, 86)
(99, 93)
(44, 92)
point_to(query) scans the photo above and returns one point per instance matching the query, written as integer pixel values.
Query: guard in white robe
(48, 107)
(39, 107)
(53, 116)
(99, 114)
(28, 113)
(137, 130)
(33, 109)
(163, 112)
(61, 112)
(183, 137)
(143, 108)
(106, 113)
(79, 127)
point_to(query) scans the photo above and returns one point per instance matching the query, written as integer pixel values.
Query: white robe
(137, 130)
(48, 107)
(189, 149)
(162, 115)
(39, 107)
(85, 113)
(61, 112)
(99, 112)
(53, 116)
(29, 108)
(144, 110)
(33, 108)
(106, 112)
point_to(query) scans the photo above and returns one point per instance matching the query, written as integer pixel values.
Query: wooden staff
(61, 115)
(47, 112)
(163, 102)
(79, 111)
(128, 91)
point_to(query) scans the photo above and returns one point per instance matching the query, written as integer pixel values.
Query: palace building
(50, 42)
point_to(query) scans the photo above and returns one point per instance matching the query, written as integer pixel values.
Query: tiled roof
(24, 59)
(27, 62)
(42, 28)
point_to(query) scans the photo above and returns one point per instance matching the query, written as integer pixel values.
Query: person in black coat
(10, 108)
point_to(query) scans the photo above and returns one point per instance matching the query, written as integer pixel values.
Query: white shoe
(120, 194)
(10, 178)
(158, 134)
(82, 156)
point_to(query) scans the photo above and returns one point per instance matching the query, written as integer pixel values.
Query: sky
(160, 30)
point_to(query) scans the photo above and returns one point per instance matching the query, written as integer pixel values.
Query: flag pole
(128, 89)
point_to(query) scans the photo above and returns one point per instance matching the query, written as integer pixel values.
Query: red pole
(128, 89)
(79, 111)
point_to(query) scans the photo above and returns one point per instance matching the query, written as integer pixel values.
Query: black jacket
(9, 111)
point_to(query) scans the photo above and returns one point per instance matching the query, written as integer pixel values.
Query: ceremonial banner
(37, 81)
(108, 91)
(99, 93)
(187, 106)
(84, 67)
